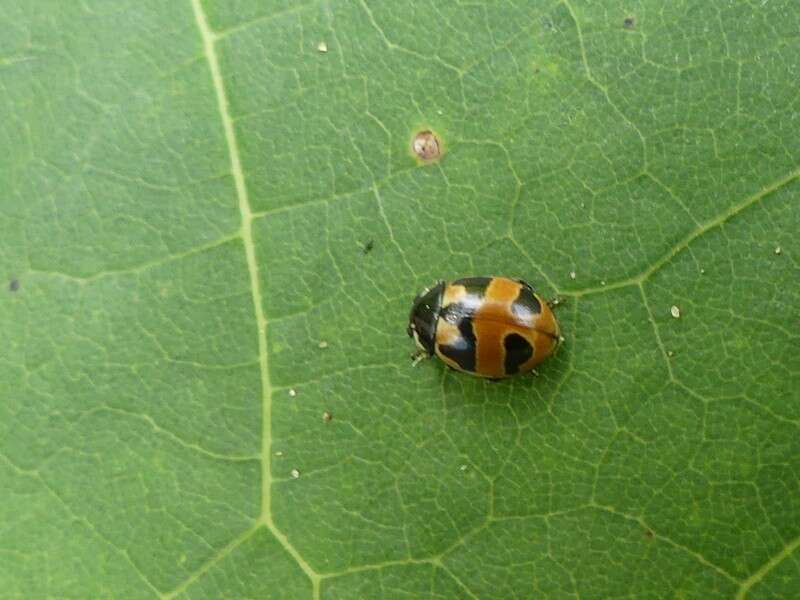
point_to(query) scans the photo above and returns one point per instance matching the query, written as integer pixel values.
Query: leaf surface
(213, 225)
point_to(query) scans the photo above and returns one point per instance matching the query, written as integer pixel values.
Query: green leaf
(190, 193)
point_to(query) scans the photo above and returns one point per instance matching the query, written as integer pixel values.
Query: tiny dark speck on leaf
(13, 285)
(629, 22)
(368, 247)
(648, 533)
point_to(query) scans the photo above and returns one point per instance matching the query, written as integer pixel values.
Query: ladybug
(486, 326)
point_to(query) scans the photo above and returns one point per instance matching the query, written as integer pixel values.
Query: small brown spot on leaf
(629, 22)
(426, 146)
(327, 416)
(648, 533)
(13, 285)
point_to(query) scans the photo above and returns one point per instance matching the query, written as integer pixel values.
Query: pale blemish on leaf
(426, 146)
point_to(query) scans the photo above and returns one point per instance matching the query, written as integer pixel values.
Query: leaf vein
(208, 39)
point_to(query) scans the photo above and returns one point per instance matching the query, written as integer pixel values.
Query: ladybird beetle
(486, 326)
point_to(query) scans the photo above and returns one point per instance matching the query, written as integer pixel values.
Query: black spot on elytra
(13, 285)
(518, 352)
(463, 351)
(629, 22)
(474, 285)
(526, 304)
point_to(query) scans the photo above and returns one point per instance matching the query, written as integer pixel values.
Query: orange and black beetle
(486, 326)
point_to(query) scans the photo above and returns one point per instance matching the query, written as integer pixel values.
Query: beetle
(491, 327)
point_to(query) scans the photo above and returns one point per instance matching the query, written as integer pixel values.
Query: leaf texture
(213, 225)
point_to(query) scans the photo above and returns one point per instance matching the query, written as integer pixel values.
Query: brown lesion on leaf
(426, 146)
(629, 22)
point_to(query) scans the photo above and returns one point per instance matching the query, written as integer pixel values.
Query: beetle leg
(554, 302)
(417, 357)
